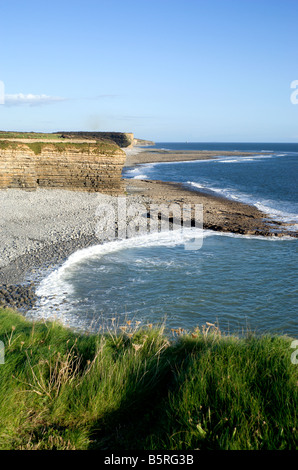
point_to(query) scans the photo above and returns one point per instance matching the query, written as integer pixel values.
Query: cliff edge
(122, 139)
(90, 166)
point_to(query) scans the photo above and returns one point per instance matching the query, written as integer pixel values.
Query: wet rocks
(219, 214)
(21, 297)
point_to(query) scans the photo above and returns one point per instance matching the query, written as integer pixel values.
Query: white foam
(244, 159)
(56, 290)
(150, 262)
(277, 214)
(134, 170)
(140, 177)
(138, 172)
(196, 185)
(263, 206)
(170, 238)
(227, 192)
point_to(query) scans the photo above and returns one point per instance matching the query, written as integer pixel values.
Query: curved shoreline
(41, 229)
(220, 213)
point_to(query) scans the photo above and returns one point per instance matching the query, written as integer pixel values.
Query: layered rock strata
(79, 166)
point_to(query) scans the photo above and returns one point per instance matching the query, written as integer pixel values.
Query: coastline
(140, 155)
(41, 229)
(220, 213)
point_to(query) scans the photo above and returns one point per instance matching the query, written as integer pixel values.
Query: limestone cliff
(143, 142)
(95, 166)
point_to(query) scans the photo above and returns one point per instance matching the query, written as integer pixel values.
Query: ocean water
(267, 180)
(238, 282)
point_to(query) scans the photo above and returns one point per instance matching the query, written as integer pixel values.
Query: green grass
(84, 147)
(135, 388)
(28, 135)
(120, 138)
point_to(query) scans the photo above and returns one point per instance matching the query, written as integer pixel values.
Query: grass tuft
(133, 387)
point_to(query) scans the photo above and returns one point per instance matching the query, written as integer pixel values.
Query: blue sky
(167, 70)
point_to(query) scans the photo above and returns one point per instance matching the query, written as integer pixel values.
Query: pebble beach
(40, 229)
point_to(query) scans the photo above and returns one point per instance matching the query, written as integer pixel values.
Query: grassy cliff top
(29, 135)
(38, 146)
(122, 139)
(135, 388)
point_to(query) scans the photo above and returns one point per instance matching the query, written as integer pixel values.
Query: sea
(239, 283)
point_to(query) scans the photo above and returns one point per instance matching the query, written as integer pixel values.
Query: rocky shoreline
(219, 214)
(140, 155)
(39, 230)
(18, 297)
(18, 280)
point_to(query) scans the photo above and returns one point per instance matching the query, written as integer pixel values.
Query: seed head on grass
(137, 346)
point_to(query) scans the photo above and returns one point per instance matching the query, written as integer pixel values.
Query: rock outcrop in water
(94, 166)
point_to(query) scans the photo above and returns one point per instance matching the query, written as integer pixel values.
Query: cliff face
(81, 166)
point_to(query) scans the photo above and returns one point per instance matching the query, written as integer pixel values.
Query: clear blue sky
(167, 70)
